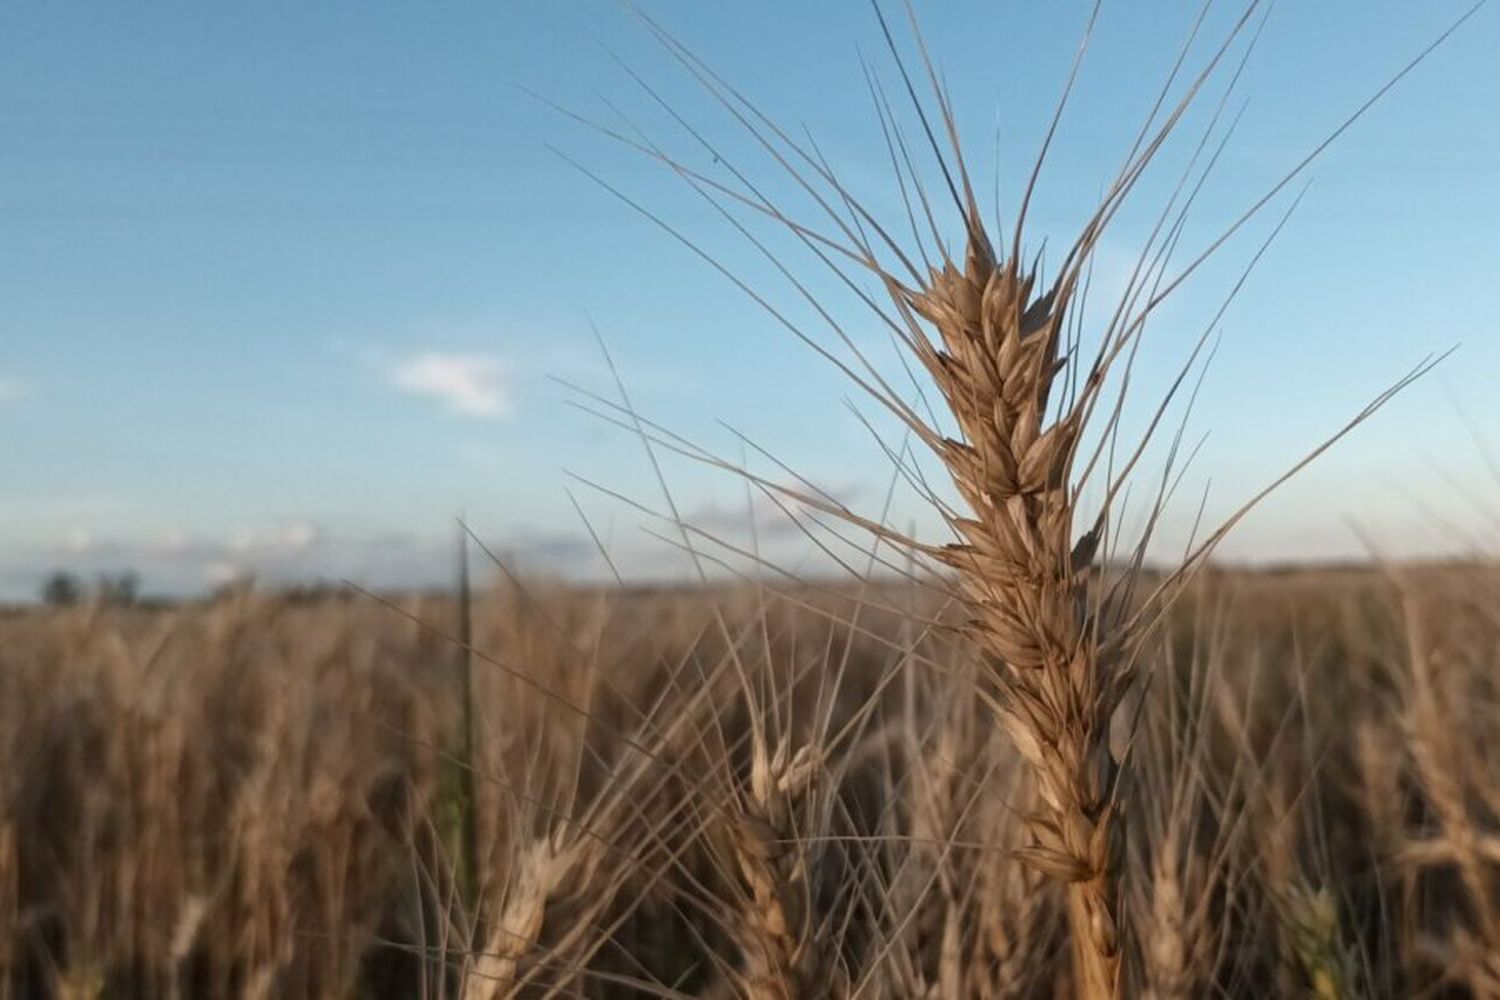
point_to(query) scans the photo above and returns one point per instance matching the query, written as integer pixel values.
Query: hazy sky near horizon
(284, 290)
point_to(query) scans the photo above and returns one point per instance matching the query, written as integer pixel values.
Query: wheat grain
(1055, 681)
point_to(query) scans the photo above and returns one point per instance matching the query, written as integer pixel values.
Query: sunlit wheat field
(937, 666)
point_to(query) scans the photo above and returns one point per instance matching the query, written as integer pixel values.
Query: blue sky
(284, 290)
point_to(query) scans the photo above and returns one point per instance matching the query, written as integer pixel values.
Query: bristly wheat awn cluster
(1061, 645)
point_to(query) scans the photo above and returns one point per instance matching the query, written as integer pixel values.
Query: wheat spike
(775, 927)
(1055, 680)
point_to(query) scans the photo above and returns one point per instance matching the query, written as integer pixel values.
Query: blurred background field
(263, 795)
(931, 669)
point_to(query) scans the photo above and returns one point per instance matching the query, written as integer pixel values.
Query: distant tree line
(63, 589)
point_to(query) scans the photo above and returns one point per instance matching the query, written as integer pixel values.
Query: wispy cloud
(12, 389)
(78, 540)
(287, 538)
(470, 385)
(775, 516)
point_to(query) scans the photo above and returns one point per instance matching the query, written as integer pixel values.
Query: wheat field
(736, 792)
(1027, 758)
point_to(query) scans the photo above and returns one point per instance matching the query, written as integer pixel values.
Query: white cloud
(290, 537)
(175, 540)
(78, 540)
(470, 385)
(222, 571)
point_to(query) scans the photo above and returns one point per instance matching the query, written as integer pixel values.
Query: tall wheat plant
(1055, 678)
(1000, 350)
(1029, 418)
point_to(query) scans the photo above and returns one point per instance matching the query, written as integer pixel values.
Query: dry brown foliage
(919, 784)
(256, 798)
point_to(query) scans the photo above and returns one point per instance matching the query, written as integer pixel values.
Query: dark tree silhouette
(62, 590)
(123, 588)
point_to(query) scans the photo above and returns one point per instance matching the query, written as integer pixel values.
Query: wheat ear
(775, 929)
(1054, 679)
(518, 925)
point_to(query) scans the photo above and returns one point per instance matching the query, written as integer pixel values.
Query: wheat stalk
(1016, 926)
(515, 930)
(1054, 679)
(9, 885)
(775, 926)
(1176, 947)
(1310, 923)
